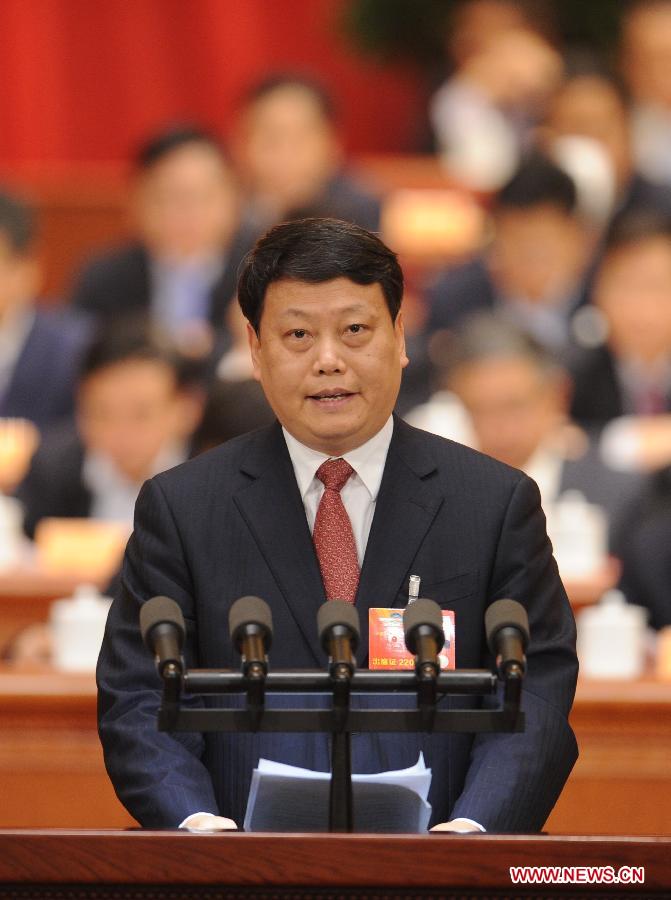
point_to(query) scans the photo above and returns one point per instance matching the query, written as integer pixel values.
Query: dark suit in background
(618, 493)
(232, 522)
(646, 567)
(459, 292)
(42, 385)
(598, 394)
(343, 198)
(54, 484)
(119, 282)
(646, 555)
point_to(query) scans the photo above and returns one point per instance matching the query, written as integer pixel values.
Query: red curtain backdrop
(85, 80)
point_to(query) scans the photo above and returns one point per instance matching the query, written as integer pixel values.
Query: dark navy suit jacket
(42, 385)
(119, 282)
(231, 522)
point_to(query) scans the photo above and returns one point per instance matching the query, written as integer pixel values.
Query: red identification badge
(386, 643)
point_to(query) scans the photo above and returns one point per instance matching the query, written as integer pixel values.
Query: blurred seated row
(196, 217)
(506, 395)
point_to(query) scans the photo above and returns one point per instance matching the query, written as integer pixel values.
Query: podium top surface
(166, 857)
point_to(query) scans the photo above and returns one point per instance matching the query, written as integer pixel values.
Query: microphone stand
(340, 720)
(341, 817)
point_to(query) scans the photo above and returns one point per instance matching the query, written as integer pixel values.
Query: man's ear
(399, 328)
(255, 350)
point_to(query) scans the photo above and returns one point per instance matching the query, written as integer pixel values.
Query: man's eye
(356, 328)
(298, 333)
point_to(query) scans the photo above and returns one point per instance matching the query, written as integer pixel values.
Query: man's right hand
(208, 822)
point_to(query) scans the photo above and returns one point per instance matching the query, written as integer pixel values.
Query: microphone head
(160, 611)
(338, 612)
(422, 612)
(250, 611)
(506, 614)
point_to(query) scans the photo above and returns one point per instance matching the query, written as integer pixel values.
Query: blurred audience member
(593, 107)
(135, 417)
(483, 115)
(646, 59)
(516, 397)
(232, 408)
(532, 271)
(646, 557)
(630, 372)
(39, 349)
(182, 268)
(291, 158)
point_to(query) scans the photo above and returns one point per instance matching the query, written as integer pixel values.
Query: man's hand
(208, 822)
(458, 826)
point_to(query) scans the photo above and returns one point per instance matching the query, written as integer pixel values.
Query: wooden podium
(73, 865)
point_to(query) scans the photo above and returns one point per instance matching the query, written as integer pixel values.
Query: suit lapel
(406, 506)
(272, 507)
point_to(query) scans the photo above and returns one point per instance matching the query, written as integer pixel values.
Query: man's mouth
(331, 396)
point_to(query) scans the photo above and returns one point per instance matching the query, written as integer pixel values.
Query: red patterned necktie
(333, 536)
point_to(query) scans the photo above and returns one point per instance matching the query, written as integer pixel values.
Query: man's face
(538, 254)
(513, 407)
(187, 204)
(289, 148)
(647, 54)
(329, 358)
(589, 106)
(132, 410)
(633, 290)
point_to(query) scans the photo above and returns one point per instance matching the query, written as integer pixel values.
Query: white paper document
(290, 799)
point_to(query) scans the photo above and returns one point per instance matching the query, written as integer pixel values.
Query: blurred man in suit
(322, 298)
(517, 397)
(291, 158)
(135, 416)
(646, 557)
(532, 271)
(181, 269)
(592, 105)
(629, 372)
(39, 349)
(646, 63)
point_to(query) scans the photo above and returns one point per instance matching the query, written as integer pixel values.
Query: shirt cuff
(471, 822)
(185, 823)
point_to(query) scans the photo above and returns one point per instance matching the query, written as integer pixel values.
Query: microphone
(424, 635)
(339, 632)
(507, 630)
(250, 623)
(162, 627)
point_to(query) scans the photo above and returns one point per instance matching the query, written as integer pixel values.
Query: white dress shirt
(359, 493)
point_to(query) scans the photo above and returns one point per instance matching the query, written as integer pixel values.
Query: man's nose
(328, 357)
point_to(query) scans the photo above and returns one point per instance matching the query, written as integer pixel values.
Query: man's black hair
(538, 182)
(132, 338)
(172, 138)
(17, 223)
(280, 80)
(635, 226)
(314, 251)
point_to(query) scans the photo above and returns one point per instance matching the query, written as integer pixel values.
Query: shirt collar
(368, 460)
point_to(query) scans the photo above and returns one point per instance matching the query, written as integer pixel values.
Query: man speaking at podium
(338, 499)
